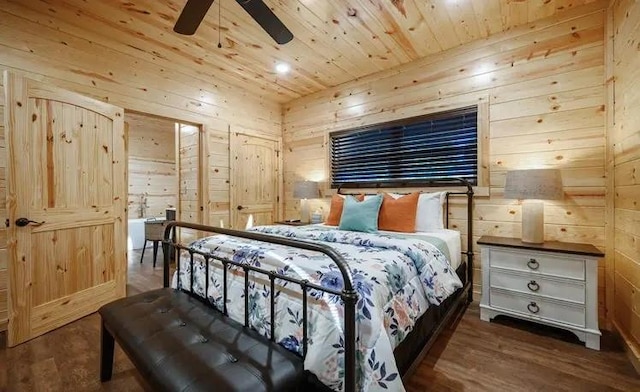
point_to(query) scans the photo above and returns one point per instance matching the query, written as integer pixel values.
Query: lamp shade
(305, 190)
(542, 184)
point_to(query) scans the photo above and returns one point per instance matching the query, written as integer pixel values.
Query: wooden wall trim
(609, 166)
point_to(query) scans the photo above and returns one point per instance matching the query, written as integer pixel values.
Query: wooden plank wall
(218, 166)
(190, 201)
(545, 87)
(3, 216)
(102, 64)
(625, 136)
(152, 164)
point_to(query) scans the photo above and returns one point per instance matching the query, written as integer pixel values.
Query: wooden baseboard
(631, 346)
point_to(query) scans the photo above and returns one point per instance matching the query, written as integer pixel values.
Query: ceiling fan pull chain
(219, 23)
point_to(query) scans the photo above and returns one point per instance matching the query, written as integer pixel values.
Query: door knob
(22, 222)
(240, 208)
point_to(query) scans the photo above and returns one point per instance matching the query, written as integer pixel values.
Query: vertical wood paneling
(625, 139)
(74, 192)
(545, 93)
(152, 165)
(255, 184)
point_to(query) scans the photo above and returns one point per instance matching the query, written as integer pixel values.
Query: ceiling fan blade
(191, 16)
(267, 20)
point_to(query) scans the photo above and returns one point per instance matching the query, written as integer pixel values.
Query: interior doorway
(163, 172)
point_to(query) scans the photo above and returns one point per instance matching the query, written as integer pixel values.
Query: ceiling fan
(195, 10)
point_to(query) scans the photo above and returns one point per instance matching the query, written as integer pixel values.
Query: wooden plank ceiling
(335, 40)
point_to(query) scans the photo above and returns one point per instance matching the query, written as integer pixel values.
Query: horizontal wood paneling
(625, 139)
(61, 45)
(190, 186)
(153, 181)
(544, 85)
(218, 167)
(48, 43)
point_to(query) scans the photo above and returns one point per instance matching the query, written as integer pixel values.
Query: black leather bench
(178, 343)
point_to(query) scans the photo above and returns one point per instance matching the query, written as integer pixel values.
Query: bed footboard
(348, 294)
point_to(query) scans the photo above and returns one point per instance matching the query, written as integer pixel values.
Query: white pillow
(429, 216)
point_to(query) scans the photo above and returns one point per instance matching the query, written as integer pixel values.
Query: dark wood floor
(470, 356)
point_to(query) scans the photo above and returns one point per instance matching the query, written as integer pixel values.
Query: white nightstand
(554, 283)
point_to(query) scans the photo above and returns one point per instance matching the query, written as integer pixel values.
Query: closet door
(66, 202)
(255, 175)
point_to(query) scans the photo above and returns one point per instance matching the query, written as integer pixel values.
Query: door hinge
(6, 222)
(277, 153)
(278, 199)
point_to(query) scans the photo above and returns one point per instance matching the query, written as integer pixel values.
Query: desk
(153, 231)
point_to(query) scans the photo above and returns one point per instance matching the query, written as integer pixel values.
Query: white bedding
(450, 237)
(397, 278)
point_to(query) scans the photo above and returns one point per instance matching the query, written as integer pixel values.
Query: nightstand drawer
(538, 307)
(538, 263)
(535, 284)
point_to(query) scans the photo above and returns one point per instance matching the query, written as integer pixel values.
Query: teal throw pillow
(361, 216)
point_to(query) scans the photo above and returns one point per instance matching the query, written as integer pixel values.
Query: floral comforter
(396, 280)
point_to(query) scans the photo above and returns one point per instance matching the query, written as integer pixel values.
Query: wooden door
(254, 179)
(66, 168)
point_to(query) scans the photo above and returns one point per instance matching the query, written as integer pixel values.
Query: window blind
(408, 152)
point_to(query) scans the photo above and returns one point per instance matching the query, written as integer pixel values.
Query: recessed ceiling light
(282, 68)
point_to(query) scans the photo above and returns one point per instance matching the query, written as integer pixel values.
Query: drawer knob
(533, 307)
(533, 285)
(533, 264)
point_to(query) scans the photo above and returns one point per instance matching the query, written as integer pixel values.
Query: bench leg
(106, 355)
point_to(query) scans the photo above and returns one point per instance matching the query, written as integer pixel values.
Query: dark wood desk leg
(143, 248)
(155, 252)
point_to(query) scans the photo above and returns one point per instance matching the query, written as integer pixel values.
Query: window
(409, 152)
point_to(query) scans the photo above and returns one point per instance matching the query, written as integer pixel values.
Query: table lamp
(304, 190)
(532, 187)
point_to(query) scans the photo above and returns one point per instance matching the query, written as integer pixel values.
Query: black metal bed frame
(348, 295)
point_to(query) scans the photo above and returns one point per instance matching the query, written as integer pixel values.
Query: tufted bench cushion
(180, 344)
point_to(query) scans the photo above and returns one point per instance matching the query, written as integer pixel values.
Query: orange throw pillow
(335, 212)
(399, 214)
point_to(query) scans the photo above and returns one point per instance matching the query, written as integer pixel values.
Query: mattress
(450, 237)
(397, 279)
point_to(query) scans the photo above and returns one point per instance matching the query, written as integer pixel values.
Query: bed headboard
(440, 183)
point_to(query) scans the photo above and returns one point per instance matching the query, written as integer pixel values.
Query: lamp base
(533, 221)
(304, 211)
